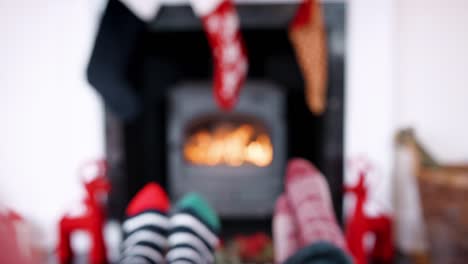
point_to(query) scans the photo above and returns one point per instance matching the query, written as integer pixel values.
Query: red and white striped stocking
(221, 24)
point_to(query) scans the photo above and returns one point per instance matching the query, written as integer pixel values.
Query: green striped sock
(198, 204)
(193, 236)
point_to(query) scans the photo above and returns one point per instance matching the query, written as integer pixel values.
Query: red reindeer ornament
(359, 225)
(90, 219)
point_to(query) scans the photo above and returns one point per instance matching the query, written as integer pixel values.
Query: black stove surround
(174, 50)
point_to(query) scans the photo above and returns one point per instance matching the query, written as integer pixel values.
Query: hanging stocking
(121, 28)
(221, 24)
(108, 68)
(307, 34)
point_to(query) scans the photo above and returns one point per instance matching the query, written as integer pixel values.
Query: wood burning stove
(235, 159)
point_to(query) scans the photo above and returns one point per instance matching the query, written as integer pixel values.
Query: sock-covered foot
(285, 231)
(146, 227)
(193, 236)
(309, 197)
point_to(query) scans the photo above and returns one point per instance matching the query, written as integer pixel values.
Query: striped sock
(309, 198)
(193, 235)
(285, 231)
(146, 227)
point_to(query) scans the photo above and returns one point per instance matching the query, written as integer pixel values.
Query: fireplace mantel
(253, 15)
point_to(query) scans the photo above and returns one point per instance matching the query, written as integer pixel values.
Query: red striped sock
(309, 197)
(150, 197)
(146, 227)
(285, 232)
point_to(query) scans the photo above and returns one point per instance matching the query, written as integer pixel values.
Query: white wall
(369, 116)
(50, 119)
(407, 67)
(432, 79)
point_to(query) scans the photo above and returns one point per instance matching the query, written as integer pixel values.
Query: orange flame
(229, 146)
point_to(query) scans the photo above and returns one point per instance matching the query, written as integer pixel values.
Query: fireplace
(234, 159)
(271, 119)
(232, 142)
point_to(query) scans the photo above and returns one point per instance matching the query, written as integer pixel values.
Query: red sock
(285, 231)
(146, 227)
(150, 197)
(230, 61)
(309, 197)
